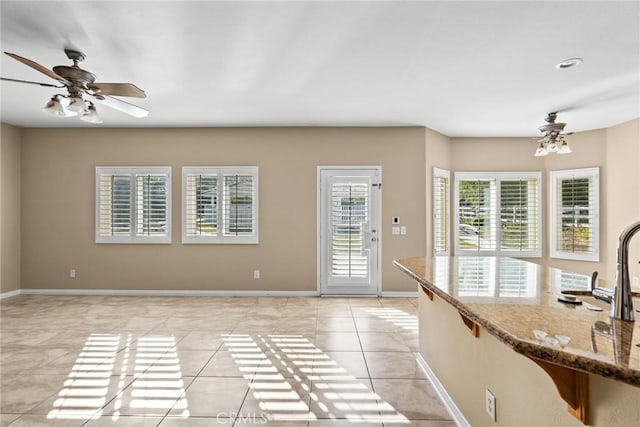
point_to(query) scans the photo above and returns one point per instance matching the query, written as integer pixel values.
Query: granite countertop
(511, 298)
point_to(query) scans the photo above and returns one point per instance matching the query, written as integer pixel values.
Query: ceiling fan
(81, 85)
(553, 139)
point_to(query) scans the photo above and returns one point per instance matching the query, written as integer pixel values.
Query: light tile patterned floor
(196, 361)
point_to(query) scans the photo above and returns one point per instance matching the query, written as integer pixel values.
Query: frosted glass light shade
(564, 148)
(76, 105)
(91, 115)
(541, 151)
(55, 108)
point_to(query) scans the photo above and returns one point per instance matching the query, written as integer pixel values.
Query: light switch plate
(403, 230)
(395, 231)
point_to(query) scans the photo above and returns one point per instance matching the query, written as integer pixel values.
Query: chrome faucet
(622, 303)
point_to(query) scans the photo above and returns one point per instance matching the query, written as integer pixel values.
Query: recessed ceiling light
(568, 63)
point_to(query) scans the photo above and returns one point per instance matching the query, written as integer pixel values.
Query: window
(497, 213)
(133, 205)
(574, 214)
(220, 205)
(441, 211)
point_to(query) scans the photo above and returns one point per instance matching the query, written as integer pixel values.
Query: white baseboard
(451, 406)
(167, 293)
(187, 293)
(406, 294)
(10, 294)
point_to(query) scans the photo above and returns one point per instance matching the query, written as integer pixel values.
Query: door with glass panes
(349, 231)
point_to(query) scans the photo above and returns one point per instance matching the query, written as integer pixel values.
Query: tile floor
(183, 361)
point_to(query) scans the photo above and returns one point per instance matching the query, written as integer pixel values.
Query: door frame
(378, 272)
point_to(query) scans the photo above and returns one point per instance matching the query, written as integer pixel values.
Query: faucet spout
(622, 303)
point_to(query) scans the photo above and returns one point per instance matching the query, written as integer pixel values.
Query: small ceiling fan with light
(82, 90)
(553, 139)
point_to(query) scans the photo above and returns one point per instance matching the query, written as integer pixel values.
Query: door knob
(373, 239)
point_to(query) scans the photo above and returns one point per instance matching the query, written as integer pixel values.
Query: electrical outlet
(256, 274)
(490, 404)
(72, 273)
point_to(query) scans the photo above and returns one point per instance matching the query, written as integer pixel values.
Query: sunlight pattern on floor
(85, 390)
(149, 374)
(397, 317)
(159, 384)
(276, 397)
(292, 379)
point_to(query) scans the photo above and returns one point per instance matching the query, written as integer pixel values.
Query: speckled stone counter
(511, 298)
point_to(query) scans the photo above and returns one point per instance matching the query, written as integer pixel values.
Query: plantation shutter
(238, 205)
(201, 210)
(477, 204)
(498, 213)
(574, 228)
(133, 205)
(349, 208)
(114, 205)
(441, 211)
(151, 205)
(519, 214)
(220, 204)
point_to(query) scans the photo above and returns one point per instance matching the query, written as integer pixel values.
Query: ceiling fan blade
(39, 67)
(30, 82)
(117, 89)
(120, 105)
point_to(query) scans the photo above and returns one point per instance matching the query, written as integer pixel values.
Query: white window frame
(497, 176)
(441, 173)
(220, 238)
(594, 173)
(133, 171)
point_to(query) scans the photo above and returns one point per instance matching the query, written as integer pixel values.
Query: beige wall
(622, 192)
(9, 208)
(525, 394)
(67, 157)
(497, 154)
(615, 151)
(58, 169)
(589, 150)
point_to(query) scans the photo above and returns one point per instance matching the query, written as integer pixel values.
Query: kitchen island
(477, 317)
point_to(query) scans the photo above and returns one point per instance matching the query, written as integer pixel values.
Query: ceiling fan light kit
(91, 115)
(553, 139)
(76, 104)
(55, 108)
(80, 84)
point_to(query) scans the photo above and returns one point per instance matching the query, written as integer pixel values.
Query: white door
(349, 229)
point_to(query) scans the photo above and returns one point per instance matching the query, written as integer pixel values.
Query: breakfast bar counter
(518, 303)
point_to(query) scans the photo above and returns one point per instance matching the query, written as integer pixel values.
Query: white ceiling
(461, 68)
